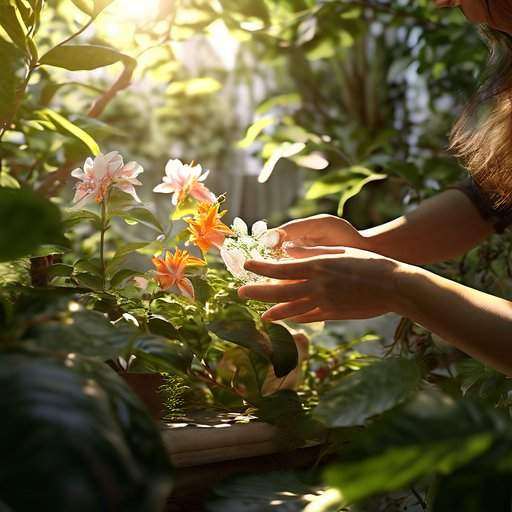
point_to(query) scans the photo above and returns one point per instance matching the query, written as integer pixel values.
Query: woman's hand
(321, 230)
(326, 283)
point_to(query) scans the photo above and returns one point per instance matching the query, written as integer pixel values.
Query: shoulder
(500, 215)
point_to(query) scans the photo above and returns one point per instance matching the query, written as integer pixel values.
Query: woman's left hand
(326, 283)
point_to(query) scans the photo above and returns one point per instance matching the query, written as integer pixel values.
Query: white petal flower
(240, 227)
(234, 260)
(258, 228)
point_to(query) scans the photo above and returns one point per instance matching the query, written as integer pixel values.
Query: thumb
(296, 251)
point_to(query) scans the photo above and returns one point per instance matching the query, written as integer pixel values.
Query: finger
(308, 231)
(288, 309)
(280, 270)
(315, 315)
(296, 251)
(280, 292)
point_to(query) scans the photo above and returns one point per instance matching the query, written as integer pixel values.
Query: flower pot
(146, 386)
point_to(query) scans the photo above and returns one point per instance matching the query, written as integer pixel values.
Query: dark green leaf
(284, 349)
(161, 354)
(78, 417)
(370, 391)
(33, 221)
(120, 277)
(276, 344)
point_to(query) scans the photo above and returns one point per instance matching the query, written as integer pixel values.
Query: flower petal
(258, 228)
(186, 287)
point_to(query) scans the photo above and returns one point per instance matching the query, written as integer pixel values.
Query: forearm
(441, 228)
(475, 322)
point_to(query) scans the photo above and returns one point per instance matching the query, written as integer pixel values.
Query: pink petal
(165, 188)
(201, 193)
(128, 189)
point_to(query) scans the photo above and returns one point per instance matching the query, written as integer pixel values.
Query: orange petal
(186, 287)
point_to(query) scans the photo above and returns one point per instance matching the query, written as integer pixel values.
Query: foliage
(73, 417)
(358, 98)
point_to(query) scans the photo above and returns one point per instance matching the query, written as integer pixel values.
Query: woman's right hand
(319, 231)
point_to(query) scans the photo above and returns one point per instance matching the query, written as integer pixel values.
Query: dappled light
(246, 260)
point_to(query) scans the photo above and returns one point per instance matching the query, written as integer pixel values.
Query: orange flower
(170, 271)
(207, 229)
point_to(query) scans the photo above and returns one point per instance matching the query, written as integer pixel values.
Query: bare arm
(475, 322)
(441, 228)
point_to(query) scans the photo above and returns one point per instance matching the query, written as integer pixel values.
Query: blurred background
(290, 104)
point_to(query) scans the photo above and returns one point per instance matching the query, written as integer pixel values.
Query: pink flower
(183, 180)
(103, 173)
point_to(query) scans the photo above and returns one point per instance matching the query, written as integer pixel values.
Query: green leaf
(12, 64)
(86, 6)
(255, 130)
(120, 277)
(284, 356)
(274, 345)
(162, 354)
(60, 270)
(348, 182)
(33, 221)
(100, 5)
(77, 415)
(139, 215)
(8, 181)
(83, 57)
(398, 467)
(160, 326)
(72, 218)
(88, 280)
(12, 22)
(66, 127)
(370, 391)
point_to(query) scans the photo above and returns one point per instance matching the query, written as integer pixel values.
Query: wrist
(407, 280)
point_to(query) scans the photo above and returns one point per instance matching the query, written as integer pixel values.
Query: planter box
(214, 446)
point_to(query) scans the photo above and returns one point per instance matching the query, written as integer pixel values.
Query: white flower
(101, 174)
(269, 238)
(260, 244)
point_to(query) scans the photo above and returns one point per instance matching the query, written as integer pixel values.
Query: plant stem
(104, 228)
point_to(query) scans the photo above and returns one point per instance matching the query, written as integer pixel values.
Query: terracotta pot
(146, 386)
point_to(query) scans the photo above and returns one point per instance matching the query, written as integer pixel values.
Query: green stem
(104, 228)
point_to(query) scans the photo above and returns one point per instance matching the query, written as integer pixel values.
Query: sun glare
(135, 10)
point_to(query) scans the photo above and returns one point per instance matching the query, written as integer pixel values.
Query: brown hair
(482, 137)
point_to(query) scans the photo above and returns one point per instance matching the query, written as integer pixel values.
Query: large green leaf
(348, 182)
(75, 418)
(396, 468)
(66, 127)
(370, 391)
(83, 57)
(432, 433)
(32, 221)
(275, 343)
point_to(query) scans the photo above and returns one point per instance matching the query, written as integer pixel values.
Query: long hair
(482, 136)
